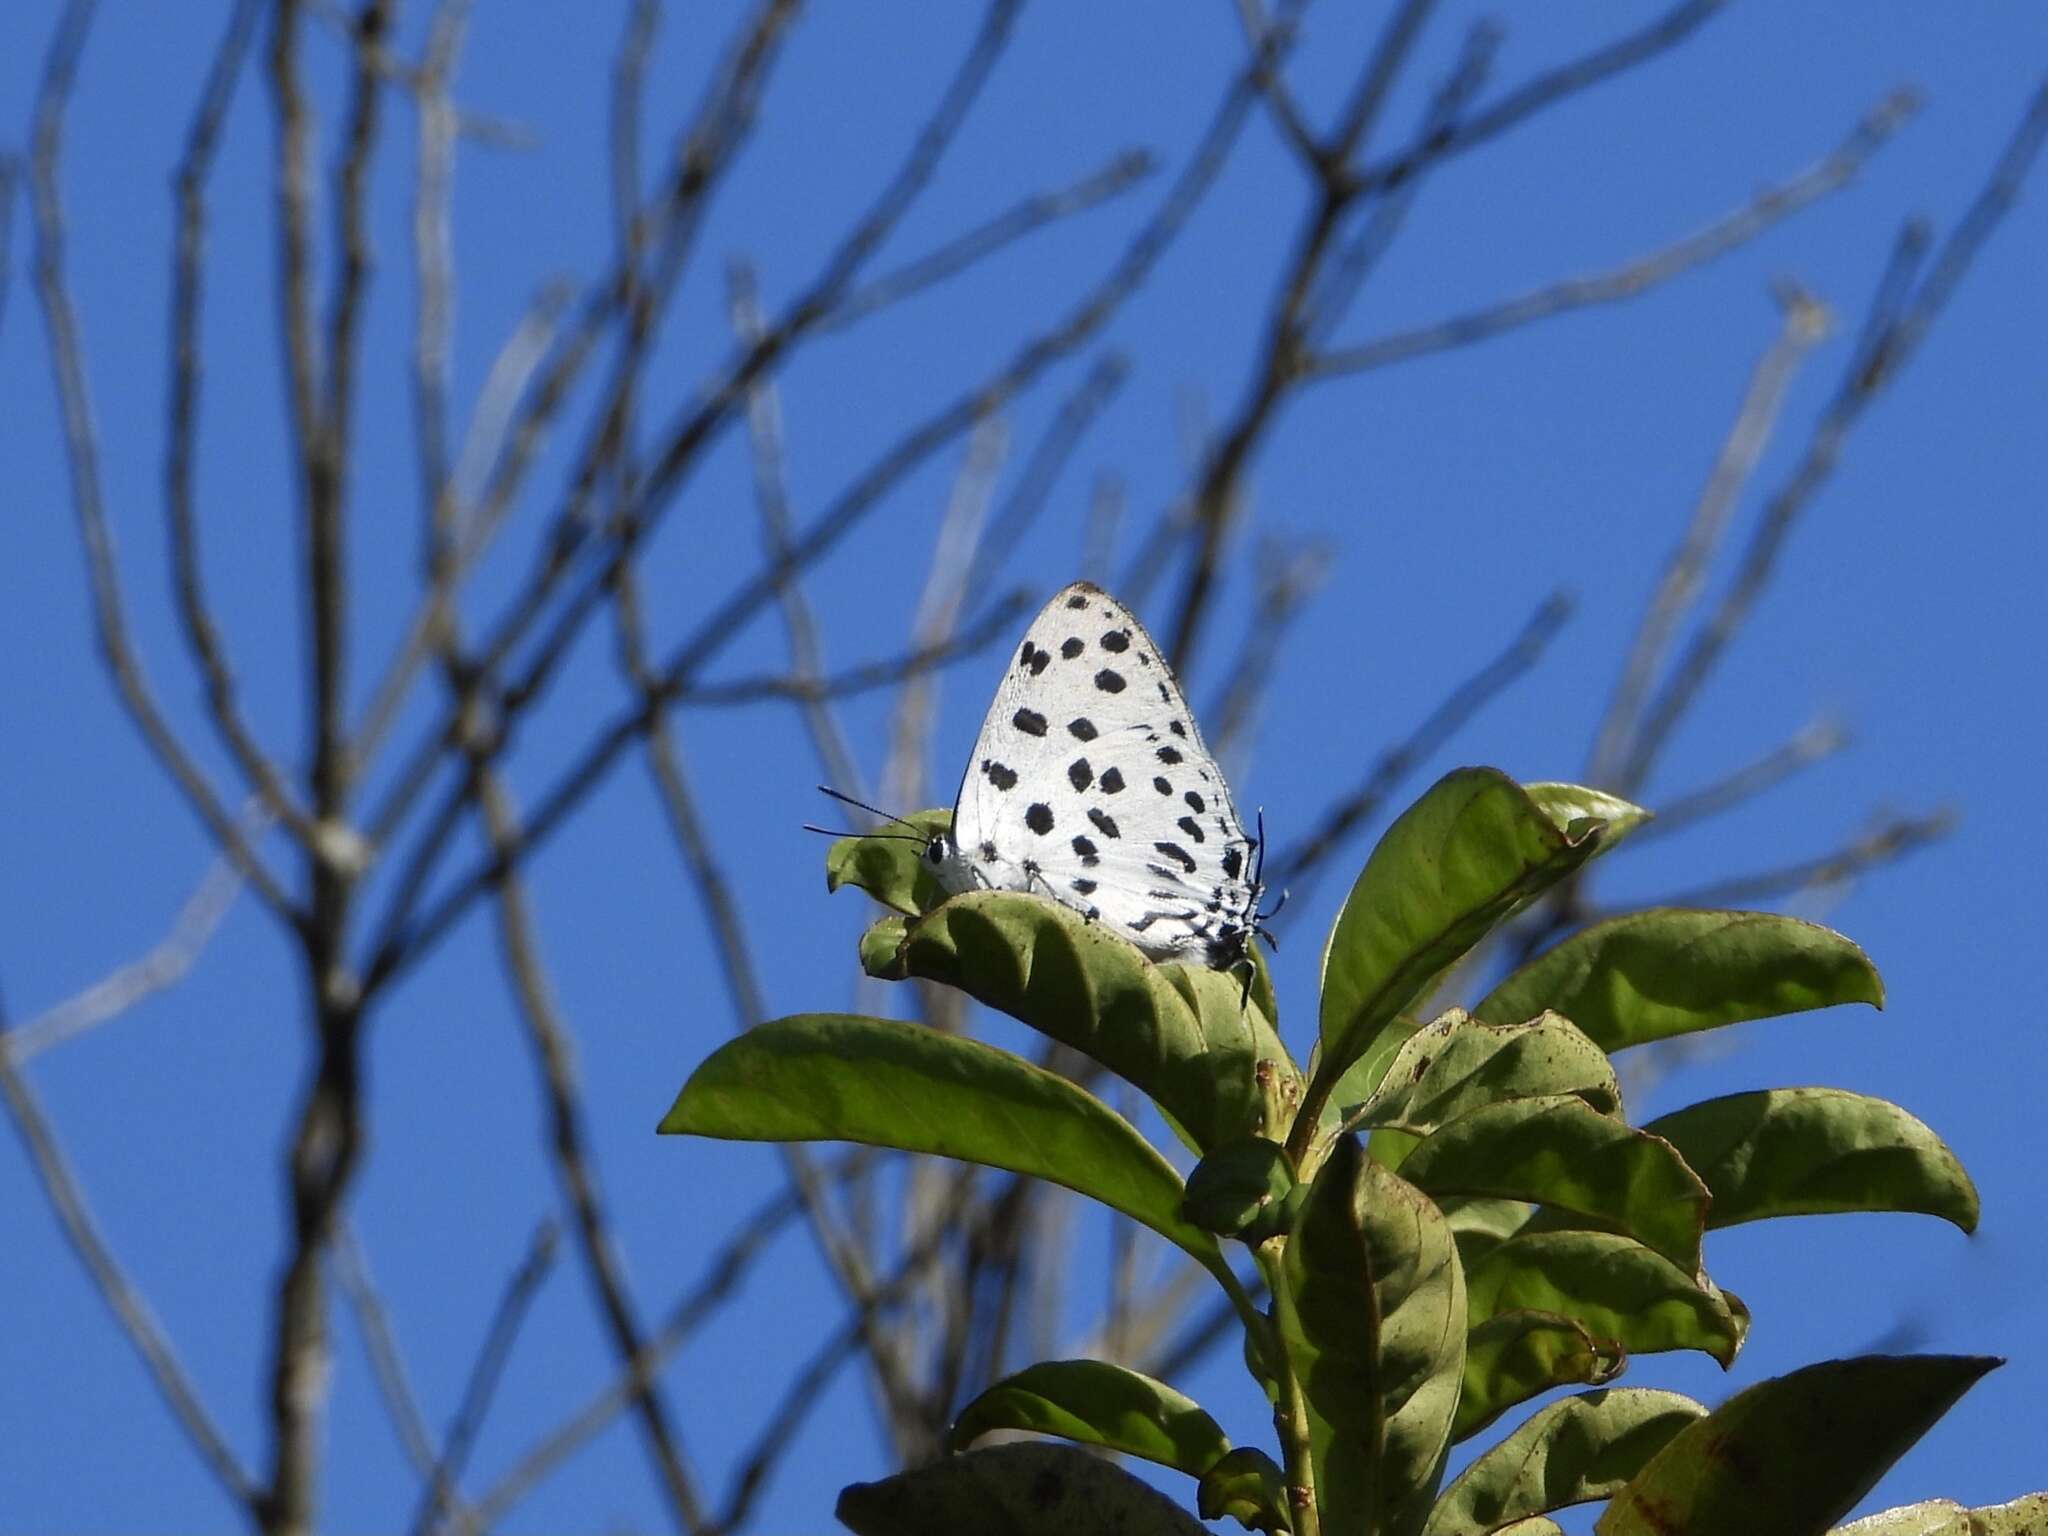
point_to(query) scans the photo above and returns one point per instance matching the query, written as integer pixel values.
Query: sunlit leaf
(841, 1077)
(1560, 1152)
(1183, 1034)
(1018, 1490)
(1565, 804)
(1516, 1355)
(1612, 1286)
(1458, 1064)
(889, 864)
(1376, 1335)
(1568, 1452)
(1465, 856)
(1808, 1151)
(1789, 1455)
(1097, 1403)
(2026, 1516)
(1248, 1486)
(1669, 971)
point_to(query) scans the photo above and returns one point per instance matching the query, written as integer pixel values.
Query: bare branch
(1105, 519)
(1898, 321)
(81, 442)
(1768, 208)
(1803, 324)
(568, 1149)
(1815, 743)
(131, 1311)
(1296, 863)
(1889, 842)
(10, 177)
(163, 966)
(433, 279)
(1288, 582)
(380, 1341)
(520, 1291)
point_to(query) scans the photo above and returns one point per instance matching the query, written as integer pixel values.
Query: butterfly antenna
(862, 805)
(883, 837)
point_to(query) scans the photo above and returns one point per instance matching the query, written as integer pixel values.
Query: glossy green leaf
(1789, 1455)
(841, 1077)
(2026, 1516)
(1669, 971)
(1566, 804)
(890, 865)
(1613, 1286)
(1808, 1151)
(1465, 856)
(1376, 1334)
(1458, 1064)
(1183, 1034)
(1513, 1357)
(1569, 1452)
(1560, 1152)
(1363, 1078)
(1097, 1403)
(1018, 1490)
(1479, 1226)
(1248, 1486)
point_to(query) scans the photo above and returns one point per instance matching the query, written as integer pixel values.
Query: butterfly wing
(1090, 783)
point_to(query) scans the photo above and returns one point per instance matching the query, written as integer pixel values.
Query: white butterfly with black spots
(1089, 783)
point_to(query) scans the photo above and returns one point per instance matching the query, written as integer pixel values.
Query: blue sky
(1455, 492)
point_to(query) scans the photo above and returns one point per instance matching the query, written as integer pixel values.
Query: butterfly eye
(935, 851)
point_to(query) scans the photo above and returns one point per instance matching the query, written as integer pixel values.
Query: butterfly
(1089, 783)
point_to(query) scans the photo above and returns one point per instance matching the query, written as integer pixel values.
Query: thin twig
(569, 1151)
(1815, 743)
(1260, 35)
(433, 281)
(1889, 842)
(10, 177)
(81, 442)
(520, 1291)
(1296, 863)
(1803, 323)
(1288, 582)
(1106, 504)
(380, 1341)
(131, 1311)
(1768, 208)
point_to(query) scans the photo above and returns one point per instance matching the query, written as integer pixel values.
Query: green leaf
(1668, 971)
(889, 865)
(1480, 1226)
(1807, 1151)
(1613, 1286)
(1182, 1034)
(1560, 1152)
(1097, 1403)
(1569, 1452)
(1248, 1486)
(1511, 1358)
(1465, 856)
(1565, 804)
(2025, 1516)
(1457, 1065)
(841, 1077)
(1241, 1190)
(1364, 1077)
(1791, 1454)
(1377, 1338)
(1018, 1490)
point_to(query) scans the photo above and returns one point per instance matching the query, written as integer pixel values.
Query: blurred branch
(1803, 323)
(10, 177)
(163, 966)
(81, 443)
(1295, 864)
(131, 1311)
(1267, 40)
(520, 1291)
(1628, 281)
(1891, 841)
(433, 282)
(1288, 582)
(1897, 322)
(1106, 503)
(1815, 743)
(380, 1342)
(569, 1151)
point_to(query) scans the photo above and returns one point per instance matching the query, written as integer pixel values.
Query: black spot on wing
(1103, 823)
(1079, 774)
(1117, 640)
(1039, 818)
(1003, 778)
(1072, 646)
(1163, 785)
(1165, 694)
(1112, 781)
(1108, 681)
(1082, 729)
(1233, 862)
(1195, 802)
(1078, 600)
(1029, 721)
(1084, 850)
(988, 852)
(1192, 827)
(1035, 659)
(1168, 755)
(1084, 887)
(1178, 854)
(1177, 728)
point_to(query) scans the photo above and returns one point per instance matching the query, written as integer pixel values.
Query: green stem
(1290, 1417)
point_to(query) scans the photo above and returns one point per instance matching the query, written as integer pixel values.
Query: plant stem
(1290, 1416)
